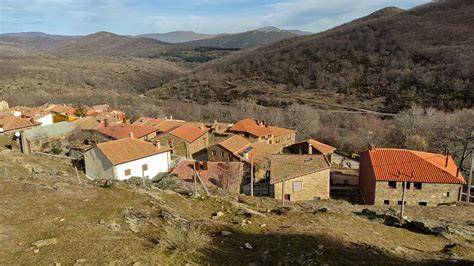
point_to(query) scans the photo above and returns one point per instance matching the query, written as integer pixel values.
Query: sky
(133, 17)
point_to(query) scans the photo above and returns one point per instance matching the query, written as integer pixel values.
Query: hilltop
(178, 36)
(247, 39)
(388, 60)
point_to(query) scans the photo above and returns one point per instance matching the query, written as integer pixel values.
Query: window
(144, 167)
(408, 185)
(392, 184)
(400, 202)
(417, 185)
(386, 202)
(222, 154)
(447, 194)
(297, 186)
(287, 197)
(128, 172)
(423, 203)
(246, 135)
(214, 153)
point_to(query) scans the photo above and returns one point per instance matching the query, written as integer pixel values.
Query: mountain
(35, 41)
(178, 36)
(247, 39)
(109, 44)
(389, 60)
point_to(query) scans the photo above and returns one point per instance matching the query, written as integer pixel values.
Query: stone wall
(315, 185)
(430, 193)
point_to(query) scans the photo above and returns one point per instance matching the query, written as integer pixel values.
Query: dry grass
(185, 238)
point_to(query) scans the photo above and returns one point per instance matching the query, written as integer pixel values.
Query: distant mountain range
(178, 36)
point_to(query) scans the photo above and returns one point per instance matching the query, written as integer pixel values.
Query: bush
(185, 238)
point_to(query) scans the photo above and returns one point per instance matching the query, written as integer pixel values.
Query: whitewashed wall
(97, 165)
(46, 120)
(157, 164)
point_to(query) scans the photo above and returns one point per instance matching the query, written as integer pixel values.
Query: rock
(80, 260)
(45, 242)
(425, 228)
(263, 225)
(136, 264)
(323, 209)
(36, 251)
(320, 247)
(225, 233)
(248, 246)
(217, 215)
(101, 221)
(281, 210)
(368, 212)
(108, 184)
(449, 247)
(470, 223)
(394, 221)
(57, 264)
(114, 226)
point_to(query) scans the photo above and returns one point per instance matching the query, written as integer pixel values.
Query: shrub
(185, 238)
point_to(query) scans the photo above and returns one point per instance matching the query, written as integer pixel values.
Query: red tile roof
(235, 143)
(410, 166)
(321, 147)
(121, 131)
(61, 109)
(250, 126)
(12, 122)
(218, 174)
(188, 133)
(168, 124)
(148, 121)
(127, 150)
(280, 131)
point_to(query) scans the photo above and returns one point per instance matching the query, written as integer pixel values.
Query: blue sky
(77, 17)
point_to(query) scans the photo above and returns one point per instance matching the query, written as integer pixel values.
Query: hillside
(247, 39)
(49, 216)
(109, 44)
(178, 36)
(35, 41)
(389, 60)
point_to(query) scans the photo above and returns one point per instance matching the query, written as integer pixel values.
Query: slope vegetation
(394, 58)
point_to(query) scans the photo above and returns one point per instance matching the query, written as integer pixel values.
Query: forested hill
(423, 55)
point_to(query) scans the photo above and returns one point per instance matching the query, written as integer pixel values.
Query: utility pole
(194, 179)
(283, 194)
(251, 175)
(402, 211)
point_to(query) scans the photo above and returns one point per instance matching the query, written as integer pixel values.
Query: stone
(263, 225)
(320, 247)
(136, 264)
(448, 247)
(323, 209)
(108, 184)
(101, 221)
(248, 246)
(45, 242)
(395, 221)
(114, 226)
(217, 215)
(80, 260)
(368, 212)
(225, 233)
(36, 251)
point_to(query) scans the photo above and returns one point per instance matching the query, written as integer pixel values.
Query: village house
(300, 177)
(46, 138)
(310, 146)
(224, 175)
(98, 109)
(237, 148)
(430, 178)
(36, 115)
(126, 158)
(121, 131)
(148, 121)
(12, 124)
(60, 112)
(185, 140)
(258, 131)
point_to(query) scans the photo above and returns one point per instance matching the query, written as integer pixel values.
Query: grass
(185, 238)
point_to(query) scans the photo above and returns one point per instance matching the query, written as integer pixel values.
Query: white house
(45, 119)
(124, 158)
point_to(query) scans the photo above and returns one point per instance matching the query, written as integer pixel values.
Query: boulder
(395, 221)
(225, 233)
(248, 246)
(45, 242)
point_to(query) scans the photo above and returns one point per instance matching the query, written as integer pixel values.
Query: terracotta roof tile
(413, 166)
(280, 131)
(168, 124)
(121, 131)
(188, 133)
(218, 174)
(234, 144)
(250, 126)
(12, 122)
(289, 166)
(127, 150)
(263, 151)
(148, 121)
(321, 147)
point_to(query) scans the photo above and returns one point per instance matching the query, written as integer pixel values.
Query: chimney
(130, 135)
(310, 149)
(157, 143)
(171, 117)
(201, 126)
(246, 156)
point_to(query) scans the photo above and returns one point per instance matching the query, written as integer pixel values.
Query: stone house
(185, 140)
(300, 177)
(224, 175)
(46, 138)
(124, 158)
(430, 178)
(121, 131)
(258, 131)
(310, 146)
